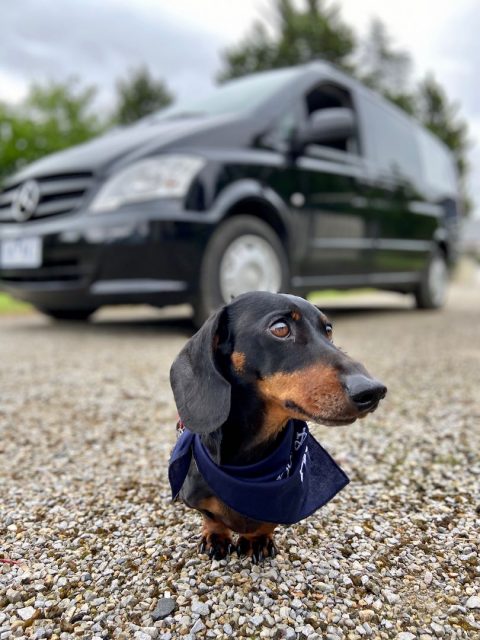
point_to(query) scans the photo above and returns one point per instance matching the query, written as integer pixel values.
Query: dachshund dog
(259, 364)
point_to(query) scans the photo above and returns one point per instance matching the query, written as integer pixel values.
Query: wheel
(432, 288)
(78, 315)
(244, 254)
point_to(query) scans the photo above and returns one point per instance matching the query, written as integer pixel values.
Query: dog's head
(278, 347)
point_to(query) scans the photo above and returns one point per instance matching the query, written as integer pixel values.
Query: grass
(336, 293)
(9, 305)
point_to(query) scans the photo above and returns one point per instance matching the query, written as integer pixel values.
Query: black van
(289, 180)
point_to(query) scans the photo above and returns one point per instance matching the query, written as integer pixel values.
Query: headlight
(160, 177)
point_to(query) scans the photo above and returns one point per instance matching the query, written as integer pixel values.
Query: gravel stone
(200, 608)
(164, 608)
(26, 613)
(437, 628)
(13, 596)
(392, 598)
(87, 423)
(197, 627)
(473, 602)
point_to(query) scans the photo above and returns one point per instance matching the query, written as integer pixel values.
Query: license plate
(21, 253)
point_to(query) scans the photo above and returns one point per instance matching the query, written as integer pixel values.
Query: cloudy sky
(181, 41)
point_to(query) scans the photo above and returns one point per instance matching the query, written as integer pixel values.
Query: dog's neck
(251, 430)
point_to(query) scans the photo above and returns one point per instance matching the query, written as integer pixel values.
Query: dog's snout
(364, 392)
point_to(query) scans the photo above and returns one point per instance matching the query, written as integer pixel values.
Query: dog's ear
(202, 394)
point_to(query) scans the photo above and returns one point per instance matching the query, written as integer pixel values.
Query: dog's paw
(217, 546)
(257, 547)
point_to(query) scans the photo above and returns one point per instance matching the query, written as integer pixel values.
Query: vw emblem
(26, 200)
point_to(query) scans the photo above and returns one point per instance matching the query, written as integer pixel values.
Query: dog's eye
(329, 331)
(280, 329)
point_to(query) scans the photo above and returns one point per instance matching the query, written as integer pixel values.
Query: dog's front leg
(216, 540)
(259, 544)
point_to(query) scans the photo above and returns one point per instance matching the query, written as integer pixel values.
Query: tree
(384, 68)
(139, 95)
(51, 118)
(440, 115)
(300, 35)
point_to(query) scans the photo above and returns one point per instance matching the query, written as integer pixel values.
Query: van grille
(57, 194)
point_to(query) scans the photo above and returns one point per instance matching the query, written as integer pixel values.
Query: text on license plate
(21, 253)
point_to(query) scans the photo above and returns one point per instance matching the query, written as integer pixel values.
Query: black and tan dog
(253, 366)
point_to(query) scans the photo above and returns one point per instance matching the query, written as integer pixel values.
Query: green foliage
(441, 117)
(139, 95)
(382, 67)
(51, 118)
(379, 64)
(301, 35)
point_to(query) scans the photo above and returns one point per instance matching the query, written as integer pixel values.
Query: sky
(181, 42)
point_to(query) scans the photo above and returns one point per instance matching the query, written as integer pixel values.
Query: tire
(243, 254)
(69, 315)
(432, 288)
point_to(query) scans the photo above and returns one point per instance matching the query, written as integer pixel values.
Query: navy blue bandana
(295, 480)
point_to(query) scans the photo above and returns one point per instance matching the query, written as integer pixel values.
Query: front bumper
(148, 254)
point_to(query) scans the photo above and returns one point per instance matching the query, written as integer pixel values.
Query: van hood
(95, 156)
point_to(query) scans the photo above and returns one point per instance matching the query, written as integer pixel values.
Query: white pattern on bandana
(304, 463)
(300, 438)
(286, 472)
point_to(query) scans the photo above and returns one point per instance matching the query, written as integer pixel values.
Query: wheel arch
(249, 197)
(263, 210)
(444, 248)
(441, 242)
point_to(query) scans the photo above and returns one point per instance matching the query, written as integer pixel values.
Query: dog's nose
(364, 392)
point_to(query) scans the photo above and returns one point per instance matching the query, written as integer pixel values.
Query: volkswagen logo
(26, 200)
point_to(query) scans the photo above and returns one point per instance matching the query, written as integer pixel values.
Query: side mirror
(326, 125)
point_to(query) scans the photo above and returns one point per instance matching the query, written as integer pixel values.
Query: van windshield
(233, 97)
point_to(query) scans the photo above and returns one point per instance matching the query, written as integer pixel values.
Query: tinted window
(438, 166)
(393, 140)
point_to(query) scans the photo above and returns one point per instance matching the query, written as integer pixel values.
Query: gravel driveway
(86, 427)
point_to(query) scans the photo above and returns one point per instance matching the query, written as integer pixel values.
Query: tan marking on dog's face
(238, 360)
(296, 315)
(316, 389)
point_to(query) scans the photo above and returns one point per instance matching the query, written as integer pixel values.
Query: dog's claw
(258, 548)
(216, 546)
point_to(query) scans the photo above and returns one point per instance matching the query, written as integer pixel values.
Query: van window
(438, 165)
(326, 96)
(393, 138)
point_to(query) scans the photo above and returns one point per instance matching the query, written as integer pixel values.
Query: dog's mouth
(328, 421)
(315, 417)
